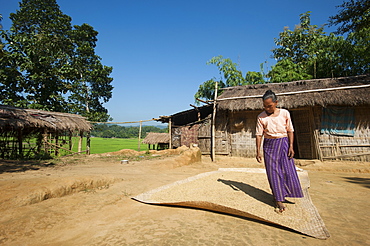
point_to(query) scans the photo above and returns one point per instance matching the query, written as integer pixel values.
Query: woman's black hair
(269, 94)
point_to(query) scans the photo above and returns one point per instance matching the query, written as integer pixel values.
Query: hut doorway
(304, 144)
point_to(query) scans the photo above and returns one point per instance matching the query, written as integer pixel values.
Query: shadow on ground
(13, 166)
(250, 190)
(365, 182)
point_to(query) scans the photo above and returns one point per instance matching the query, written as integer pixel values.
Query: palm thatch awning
(13, 119)
(156, 138)
(350, 91)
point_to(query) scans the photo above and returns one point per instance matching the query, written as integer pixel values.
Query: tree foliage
(354, 19)
(48, 64)
(229, 76)
(308, 52)
(298, 44)
(254, 78)
(353, 16)
(286, 70)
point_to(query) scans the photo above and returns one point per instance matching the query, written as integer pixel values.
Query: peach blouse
(274, 126)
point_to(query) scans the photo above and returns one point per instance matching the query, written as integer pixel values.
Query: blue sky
(159, 48)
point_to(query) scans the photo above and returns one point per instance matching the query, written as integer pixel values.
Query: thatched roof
(155, 138)
(188, 116)
(12, 118)
(348, 91)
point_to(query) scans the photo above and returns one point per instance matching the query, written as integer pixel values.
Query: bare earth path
(87, 201)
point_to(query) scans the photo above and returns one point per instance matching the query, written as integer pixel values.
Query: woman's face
(269, 105)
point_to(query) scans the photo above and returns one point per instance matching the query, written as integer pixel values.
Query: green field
(104, 145)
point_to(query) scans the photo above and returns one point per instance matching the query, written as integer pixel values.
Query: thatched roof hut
(329, 115)
(14, 119)
(162, 140)
(349, 91)
(31, 133)
(316, 107)
(156, 138)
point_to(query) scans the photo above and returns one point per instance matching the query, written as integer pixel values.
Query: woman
(276, 127)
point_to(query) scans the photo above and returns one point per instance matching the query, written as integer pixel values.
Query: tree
(39, 46)
(286, 70)
(315, 54)
(90, 79)
(354, 19)
(207, 90)
(52, 65)
(254, 78)
(228, 70)
(300, 44)
(353, 16)
(230, 76)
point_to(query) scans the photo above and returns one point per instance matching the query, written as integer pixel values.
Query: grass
(104, 145)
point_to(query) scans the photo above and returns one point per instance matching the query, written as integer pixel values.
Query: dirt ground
(87, 201)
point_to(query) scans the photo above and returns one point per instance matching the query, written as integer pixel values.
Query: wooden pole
(202, 101)
(45, 141)
(317, 145)
(39, 142)
(127, 122)
(56, 151)
(170, 132)
(20, 143)
(88, 139)
(213, 141)
(70, 141)
(80, 142)
(141, 123)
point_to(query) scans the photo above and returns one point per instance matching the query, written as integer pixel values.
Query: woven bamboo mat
(243, 192)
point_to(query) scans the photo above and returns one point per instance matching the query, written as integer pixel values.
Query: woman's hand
(259, 157)
(291, 139)
(258, 148)
(290, 153)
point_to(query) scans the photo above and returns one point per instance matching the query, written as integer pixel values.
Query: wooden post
(88, 139)
(170, 132)
(39, 142)
(20, 143)
(70, 141)
(141, 123)
(315, 138)
(317, 145)
(56, 151)
(45, 141)
(80, 142)
(213, 140)
(337, 149)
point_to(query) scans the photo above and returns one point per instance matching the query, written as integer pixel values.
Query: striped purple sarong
(281, 172)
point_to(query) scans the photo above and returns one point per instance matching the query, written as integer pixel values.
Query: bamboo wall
(221, 137)
(356, 148)
(241, 128)
(204, 137)
(36, 144)
(189, 135)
